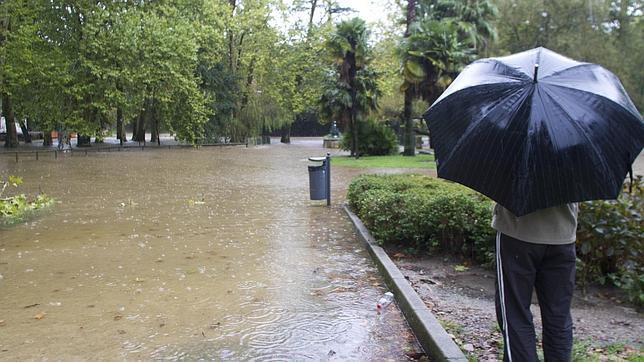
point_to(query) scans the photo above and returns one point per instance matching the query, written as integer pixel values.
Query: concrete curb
(429, 332)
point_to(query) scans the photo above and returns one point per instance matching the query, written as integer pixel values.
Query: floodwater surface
(212, 253)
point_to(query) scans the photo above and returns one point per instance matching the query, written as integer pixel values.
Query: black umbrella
(536, 129)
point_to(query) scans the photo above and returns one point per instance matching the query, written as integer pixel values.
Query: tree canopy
(225, 70)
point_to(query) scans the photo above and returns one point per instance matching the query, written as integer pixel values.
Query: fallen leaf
(2, 322)
(118, 317)
(40, 315)
(460, 268)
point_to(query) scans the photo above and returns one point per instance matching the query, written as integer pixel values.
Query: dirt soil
(462, 298)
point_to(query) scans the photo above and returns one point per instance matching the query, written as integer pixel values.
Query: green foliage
(610, 242)
(376, 139)
(609, 33)
(201, 69)
(590, 351)
(446, 35)
(351, 89)
(14, 209)
(424, 213)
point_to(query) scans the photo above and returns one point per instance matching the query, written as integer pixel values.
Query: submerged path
(214, 253)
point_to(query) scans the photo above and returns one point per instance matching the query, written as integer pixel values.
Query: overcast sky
(370, 10)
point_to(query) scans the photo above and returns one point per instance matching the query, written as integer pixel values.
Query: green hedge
(424, 214)
(374, 139)
(427, 214)
(610, 242)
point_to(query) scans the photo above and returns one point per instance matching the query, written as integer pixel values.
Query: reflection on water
(169, 254)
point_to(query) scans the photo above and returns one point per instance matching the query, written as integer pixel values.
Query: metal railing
(55, 152)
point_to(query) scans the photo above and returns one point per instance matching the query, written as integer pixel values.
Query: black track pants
(550, 269)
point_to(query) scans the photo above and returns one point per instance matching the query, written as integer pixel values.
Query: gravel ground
(464, 302)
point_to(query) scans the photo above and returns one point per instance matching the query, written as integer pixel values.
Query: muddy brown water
(210, 253)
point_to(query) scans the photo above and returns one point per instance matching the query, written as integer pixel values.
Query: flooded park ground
(213, 253)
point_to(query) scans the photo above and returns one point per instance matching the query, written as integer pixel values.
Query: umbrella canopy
(535, 130)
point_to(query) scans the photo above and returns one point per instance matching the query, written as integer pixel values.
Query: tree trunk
(48, 140)
(120, 129)
(158, 133)
(353, 120)
(154, 135)
(231, 38)
(25, 131)
(311, 15)
(147, 120)
(153, 122)
(286, 134)
(355, 137)
(411, 16)
(10, 121)
(139, 134)
(83, 140)
(409, 135)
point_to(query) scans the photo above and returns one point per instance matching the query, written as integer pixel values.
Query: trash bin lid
(317, 159)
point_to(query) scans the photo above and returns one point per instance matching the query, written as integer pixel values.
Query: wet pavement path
(214, 253)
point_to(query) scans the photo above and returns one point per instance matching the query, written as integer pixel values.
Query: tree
(14, 17)
(305, 46)
(442, 36)
(409, 141)
(352, 92)
(606, 32)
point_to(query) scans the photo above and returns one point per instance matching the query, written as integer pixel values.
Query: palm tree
(352, 92)
(443, 36)
(474, 20)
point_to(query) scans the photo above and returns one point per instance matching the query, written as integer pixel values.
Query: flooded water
(212, 253)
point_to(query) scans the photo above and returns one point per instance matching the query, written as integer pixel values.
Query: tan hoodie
(553, 226)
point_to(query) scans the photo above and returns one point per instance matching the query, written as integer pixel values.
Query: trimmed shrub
(424, 213)
(374, 139)
(610, 242)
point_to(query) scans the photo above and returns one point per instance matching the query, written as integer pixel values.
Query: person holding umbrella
(536, 132)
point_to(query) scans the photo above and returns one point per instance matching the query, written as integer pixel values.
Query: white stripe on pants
(499, 277)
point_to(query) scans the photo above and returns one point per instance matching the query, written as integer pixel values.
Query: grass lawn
(397, 161)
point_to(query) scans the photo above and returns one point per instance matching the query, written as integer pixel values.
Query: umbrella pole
(536, 70)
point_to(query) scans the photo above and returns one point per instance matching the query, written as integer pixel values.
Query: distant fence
(36, 154)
